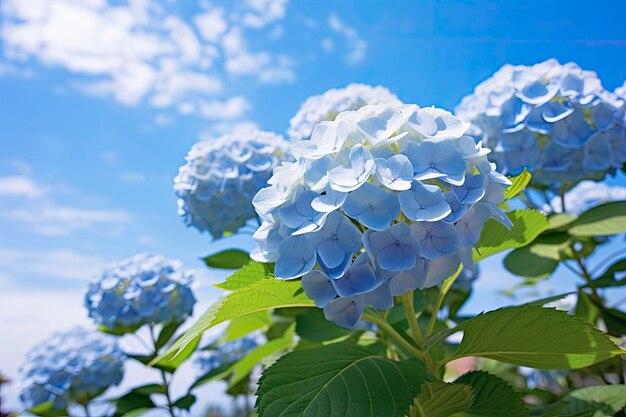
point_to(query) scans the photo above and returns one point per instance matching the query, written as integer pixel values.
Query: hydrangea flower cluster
(327, 106)
(621, 91)
(216, 185)
(228, 353)
(143, 289)
(555, 120)
(380, 201)
(73, 366)
(586, 195)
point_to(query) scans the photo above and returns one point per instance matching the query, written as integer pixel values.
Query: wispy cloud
(139, 51)
(355, 44)
(37, 207)
(65, 264)
(19, 185)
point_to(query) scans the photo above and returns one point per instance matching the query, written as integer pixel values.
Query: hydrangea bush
(379, 213)
(555, 120)
(380, 201)
(70, 367)
(325, 107)
(216, 185)
(143, 289)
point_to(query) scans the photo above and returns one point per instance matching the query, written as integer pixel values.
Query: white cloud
(138, 51)
(355, 44)
(19, 185)
(110, 157)
(231, 128)
(212, 24)
(132, 177)
(232, 108)
(54, 220)
(65, 264)
(35, 206)
(328, 44)
(268, 68)
(263, 12)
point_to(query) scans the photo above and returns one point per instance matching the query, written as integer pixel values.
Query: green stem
(386, 327)
(166, 383)
(86, 408)
(447, 284)
(409, 310)
(584, 273)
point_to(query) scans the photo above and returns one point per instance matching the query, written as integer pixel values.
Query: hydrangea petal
(372, 207)
(424, 203)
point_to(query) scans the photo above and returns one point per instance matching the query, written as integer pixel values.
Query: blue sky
(100, 101)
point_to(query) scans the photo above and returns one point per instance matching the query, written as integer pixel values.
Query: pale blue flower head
(555, 120)
(72, 366)
(144, 289)
(375, 206)
(228, 353)
(586, 195)
(326, 106)
(216, 185)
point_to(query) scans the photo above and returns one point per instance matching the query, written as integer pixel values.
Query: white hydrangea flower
(216, 186)
(555, 120)
(325, 107)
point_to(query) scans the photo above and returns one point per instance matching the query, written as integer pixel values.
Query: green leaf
(137, 412)
(519, 183)
(131, 402)
(525, 263)
(339, 380)
(149, 389)
(174, 357)
(46, 409)
(606, 219)
(536, 337)
(185, 402)
(254, 271)
(228, 259)
(610, 277)
(601, 400)
(166, 334)
(615, 321)
(118, 330)
(585, 308)
(241, 326)
(262, 295)
(313, 326)
(438, 399)
(527, 225)
(543, 301)
(213, 375)
(559, 221)
(242, 368)
(493, 397)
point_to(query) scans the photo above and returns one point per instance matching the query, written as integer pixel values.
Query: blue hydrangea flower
(73, 366)
(586, 195)
(228, 353)
(325, 107)
(555, 120)
(144, 289)
(380, 201)
(216, 185)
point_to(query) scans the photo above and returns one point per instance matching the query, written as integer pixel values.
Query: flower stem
(165, 382)
(409, 310)
(447, 284)
(397, 337)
